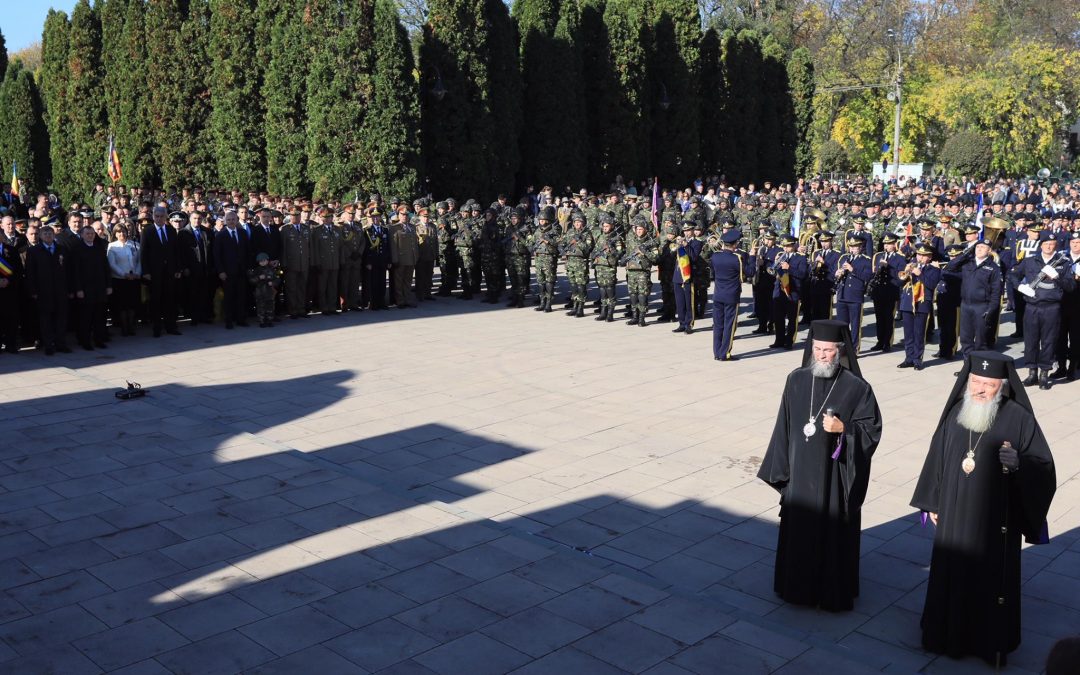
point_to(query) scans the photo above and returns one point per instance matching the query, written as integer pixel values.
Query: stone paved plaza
(461, 488)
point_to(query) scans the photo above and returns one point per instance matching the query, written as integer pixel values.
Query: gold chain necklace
(968, 463)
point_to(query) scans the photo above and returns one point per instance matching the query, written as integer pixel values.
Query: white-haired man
(988, 478)
(819, 461)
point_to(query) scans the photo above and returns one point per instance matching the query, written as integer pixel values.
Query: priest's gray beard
(976, 416)
(825, 370)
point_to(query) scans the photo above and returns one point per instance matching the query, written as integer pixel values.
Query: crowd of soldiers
(944, 256)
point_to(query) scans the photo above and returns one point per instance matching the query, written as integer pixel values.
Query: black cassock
(817, 553)
(973, 595)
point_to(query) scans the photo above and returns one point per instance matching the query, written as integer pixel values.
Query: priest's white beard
(976, 416)
(825, 370)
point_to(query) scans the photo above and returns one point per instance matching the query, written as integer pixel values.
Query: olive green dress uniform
(296, 261)
(428, 240)
(326, 247)
(404, 254)
(353, 243)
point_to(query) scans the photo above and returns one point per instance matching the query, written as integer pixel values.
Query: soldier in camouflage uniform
(544, 245)
(516, 254)
(575, 247)
(449, 264)
(491, 257)
(265, 281)
(607, 250)
(638, 261)
(463, 246)
(476, 224)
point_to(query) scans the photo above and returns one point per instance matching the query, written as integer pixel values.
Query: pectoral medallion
(968, 464)
(809, 429)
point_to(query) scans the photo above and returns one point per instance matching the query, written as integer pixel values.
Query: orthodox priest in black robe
(819, 460)
(988, 479)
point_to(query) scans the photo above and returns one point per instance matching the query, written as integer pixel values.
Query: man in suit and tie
(231, 260)
(47, 283)
(265, 237)
(194, 241)
(91, 280)
(161, 270)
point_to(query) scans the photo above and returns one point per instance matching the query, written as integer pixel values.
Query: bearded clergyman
(819, 461)
(987, 480)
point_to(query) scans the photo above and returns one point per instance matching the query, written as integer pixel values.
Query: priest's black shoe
(680, 329)
(918, 366)
(1044, 379)
(1031, 379)
(905, 364)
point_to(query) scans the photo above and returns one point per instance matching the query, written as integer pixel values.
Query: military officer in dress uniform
(351, 274)
(326, 255)
(981, 284)
(1044, 278)
(859, 231)
(853, 272)
(791, 273)
(920, 279)
(1010, 261)
(296, 261)
(886, 292)
(428, 240)
(376, 259)
(404, 254)
(728, 272)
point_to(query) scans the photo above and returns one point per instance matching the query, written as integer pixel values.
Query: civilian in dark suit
(92, 284)
(161, 269)
(47, 283)
(231, 260)
(11, 281)
(266, 236)
(197, 267)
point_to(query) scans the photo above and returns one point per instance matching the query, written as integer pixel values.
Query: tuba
(994, 229)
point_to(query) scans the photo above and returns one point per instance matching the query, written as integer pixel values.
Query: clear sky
(21, 21)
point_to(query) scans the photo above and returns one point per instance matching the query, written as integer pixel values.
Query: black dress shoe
(905, 364)
(936, 355)
(876, 347)
(689, 330)
(680, 329)
(776, 345)
(731, 358)
(1060, 372)
(1031, 379)
(717, 358)
(918, 366)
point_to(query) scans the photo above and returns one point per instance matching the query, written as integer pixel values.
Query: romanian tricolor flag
(112, 163)
(15, 187)
(5, 268)
(918, 293)
(684, 264)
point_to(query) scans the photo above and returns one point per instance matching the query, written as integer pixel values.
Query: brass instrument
(840, 267)
(820, 271)
(994, 229)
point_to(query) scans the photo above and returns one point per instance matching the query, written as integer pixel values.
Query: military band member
(791, 273)
(920, 279)
(1068, 347)
(701, 272)
(1044, 278)
(853, 272)
(886, 292)
(1011, 260)
(763, 281)
(859, 231)
(728, 272)
(948, 297)
(682, 284)
(980, 298)
(821, 284)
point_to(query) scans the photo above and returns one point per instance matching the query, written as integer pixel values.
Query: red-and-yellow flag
(15, 186)
(684, 264)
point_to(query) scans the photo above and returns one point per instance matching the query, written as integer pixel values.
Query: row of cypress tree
(325, 97)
